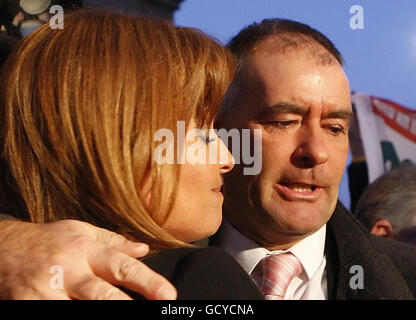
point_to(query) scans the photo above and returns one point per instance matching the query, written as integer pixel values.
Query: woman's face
(197, 210)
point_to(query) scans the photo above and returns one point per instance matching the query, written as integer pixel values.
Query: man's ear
(383, 228)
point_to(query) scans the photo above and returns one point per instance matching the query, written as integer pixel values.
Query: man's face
(303, 108)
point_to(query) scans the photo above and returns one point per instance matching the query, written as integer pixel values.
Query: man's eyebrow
(340, 114)
(280, 108)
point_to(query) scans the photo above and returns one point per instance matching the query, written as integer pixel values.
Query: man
(290, 84)
(387, 207)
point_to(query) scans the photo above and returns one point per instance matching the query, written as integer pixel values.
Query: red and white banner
(388, 133)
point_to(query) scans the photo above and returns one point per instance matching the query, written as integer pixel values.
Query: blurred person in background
(388, 205)
(21, 17)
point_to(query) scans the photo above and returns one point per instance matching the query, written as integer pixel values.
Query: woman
(83, 110)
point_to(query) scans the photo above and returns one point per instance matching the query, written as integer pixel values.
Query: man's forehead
(294, 44)
(293, 76)
(270, 95)
(269, 77)
(275, 67)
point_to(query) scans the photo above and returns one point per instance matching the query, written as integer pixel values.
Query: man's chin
(300, 221)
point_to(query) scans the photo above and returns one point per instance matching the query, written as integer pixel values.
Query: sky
(380, 56)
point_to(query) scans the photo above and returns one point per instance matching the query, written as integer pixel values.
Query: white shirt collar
(309, 251)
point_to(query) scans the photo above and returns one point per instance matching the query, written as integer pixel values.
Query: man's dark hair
(290, 31)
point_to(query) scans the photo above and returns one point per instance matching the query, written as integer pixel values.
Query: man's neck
(282, 242)
(270, 240)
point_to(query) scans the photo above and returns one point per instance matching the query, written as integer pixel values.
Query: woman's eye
(211, 140)
(207, 139)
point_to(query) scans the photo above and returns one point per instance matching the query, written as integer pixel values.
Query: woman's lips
(298, 191)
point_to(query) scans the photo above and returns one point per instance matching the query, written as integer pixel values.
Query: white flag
(388, 133)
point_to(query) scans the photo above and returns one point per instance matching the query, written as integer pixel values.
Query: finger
(94, 288)
(112, 239)
(133, 249)
(121, 269)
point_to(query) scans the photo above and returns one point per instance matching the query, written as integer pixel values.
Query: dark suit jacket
(203, 273)
(389, 266)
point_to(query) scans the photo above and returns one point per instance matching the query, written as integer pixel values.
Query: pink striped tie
(278, 271)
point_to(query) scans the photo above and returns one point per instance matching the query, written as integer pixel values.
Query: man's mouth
(299, 187)
(298, 191)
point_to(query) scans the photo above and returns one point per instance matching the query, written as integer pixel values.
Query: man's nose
(311, 149)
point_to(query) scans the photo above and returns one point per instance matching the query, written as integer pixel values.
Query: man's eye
(336, 129)
(282, 123)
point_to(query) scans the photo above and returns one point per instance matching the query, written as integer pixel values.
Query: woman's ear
(383, 228)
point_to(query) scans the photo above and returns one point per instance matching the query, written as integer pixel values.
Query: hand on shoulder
(93, 260)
